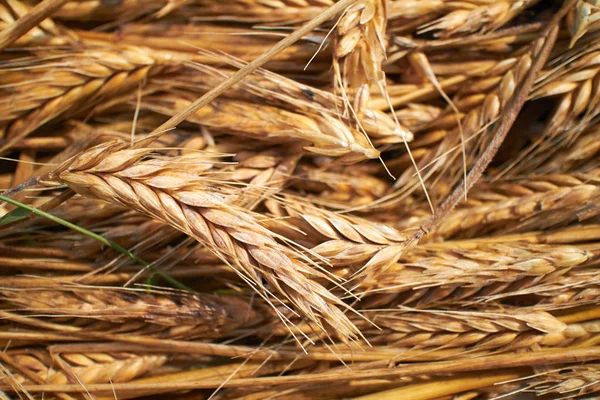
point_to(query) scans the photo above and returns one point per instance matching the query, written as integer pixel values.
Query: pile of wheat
(299, 199)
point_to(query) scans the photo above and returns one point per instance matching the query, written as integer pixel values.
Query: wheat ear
(187, 203)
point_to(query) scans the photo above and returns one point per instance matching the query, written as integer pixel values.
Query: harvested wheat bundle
(299, 199)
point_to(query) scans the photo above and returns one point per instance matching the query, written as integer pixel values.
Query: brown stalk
(445, 386)
(20, 27)
(576, 84)
(544, 357)
(508, 117)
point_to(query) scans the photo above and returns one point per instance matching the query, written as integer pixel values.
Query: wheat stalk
(430, 275)
(472, 133)
(44, 32)
(572, 80)
(475, 16)
(86, 368)
(81, 80)
(173, 195)
(323, 134)
(204, 314)
(572, 381)
(359, 51)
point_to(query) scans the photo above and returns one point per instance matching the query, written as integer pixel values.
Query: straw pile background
(299, 199)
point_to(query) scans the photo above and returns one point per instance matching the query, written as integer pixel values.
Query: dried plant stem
(536, 358)
(23, 25)
(445, 386)
(506, 120)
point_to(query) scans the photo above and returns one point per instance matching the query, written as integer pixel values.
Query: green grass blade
(91, 234)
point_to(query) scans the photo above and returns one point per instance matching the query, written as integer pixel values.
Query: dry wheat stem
(445, 386)
(20, 27)
(509, 115)
(578, 88)
(86, 368)
(536, 358)
(473, 125)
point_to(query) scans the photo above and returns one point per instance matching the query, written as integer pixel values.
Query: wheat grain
(293, 96)
(572, 381)
(99, 10)
(204, 314)
(81, 80)
(359, 51)
(342, 240)
(441, 159)
(559, 206)
(577, 86)
(169, 192)
(87, 368)
(284, 12)
(338, 189)
(431, 275)
(183, 41)
(324, 134)
(582, 18)
(476, 16)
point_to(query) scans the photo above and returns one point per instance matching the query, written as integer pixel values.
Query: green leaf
(26, 209)
(15, 215)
